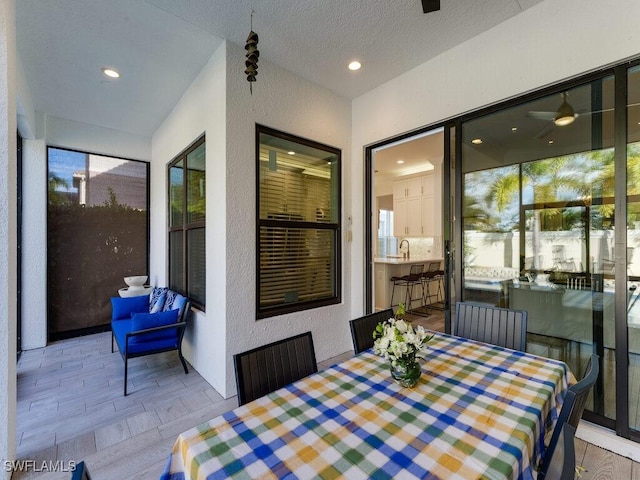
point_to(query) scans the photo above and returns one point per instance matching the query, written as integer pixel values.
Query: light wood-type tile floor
(71, 407)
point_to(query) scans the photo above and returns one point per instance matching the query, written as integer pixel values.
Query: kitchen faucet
(404, 255)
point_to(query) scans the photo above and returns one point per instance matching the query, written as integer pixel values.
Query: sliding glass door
(538, 224)
(632, 261)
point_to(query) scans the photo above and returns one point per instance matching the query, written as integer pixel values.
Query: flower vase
(406, 374)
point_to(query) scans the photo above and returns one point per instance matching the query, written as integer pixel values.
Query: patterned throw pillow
(158, 305)
(157, 299)
(174, 301)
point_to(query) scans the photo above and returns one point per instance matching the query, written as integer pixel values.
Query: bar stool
(409, 281)
(433, 274)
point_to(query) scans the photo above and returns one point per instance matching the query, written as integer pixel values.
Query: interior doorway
(404, 192)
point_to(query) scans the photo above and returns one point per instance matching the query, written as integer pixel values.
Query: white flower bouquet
(397, 341)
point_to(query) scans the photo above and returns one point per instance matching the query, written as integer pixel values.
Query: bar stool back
(409, 281)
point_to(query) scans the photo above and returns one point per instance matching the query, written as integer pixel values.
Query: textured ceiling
(159, 46)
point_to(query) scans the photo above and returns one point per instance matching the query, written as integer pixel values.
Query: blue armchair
(149, 324)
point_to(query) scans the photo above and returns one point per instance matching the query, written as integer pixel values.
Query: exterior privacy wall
(220, 105)
(550, 42)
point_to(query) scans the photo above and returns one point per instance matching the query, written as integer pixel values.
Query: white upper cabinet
(414, 207)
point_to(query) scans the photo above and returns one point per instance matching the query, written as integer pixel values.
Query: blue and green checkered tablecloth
(478, 411)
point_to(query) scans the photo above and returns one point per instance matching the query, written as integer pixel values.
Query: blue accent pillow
(122, 308)
(154, 298)
(174, 301)
(159, 303)
(141, 321)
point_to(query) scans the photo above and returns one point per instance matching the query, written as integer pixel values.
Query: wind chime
(251, 63)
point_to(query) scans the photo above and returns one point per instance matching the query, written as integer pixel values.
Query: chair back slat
(495, 325)
(270, 367)
(362, 329)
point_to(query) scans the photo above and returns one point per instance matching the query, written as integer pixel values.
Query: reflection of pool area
(556, 311)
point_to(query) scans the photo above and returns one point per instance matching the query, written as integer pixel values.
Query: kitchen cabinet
(409, 188)
(414, 207)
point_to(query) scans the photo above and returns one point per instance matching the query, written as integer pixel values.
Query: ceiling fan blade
(429, 6)
(542, 115)
(542, 134)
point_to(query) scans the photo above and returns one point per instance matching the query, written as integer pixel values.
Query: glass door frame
(621, 423)
(452, 223)
(370, 214)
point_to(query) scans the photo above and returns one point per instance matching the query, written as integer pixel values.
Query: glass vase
(406, 374)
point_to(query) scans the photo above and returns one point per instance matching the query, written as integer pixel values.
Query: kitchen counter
(387, 267)
(404, 261)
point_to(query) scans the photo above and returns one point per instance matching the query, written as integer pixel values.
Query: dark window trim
(335, 227)
(19, 246)
(184, 227)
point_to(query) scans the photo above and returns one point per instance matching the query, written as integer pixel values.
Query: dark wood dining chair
(362, 329)
(562, 460)
(270, 367)
(571, 412)
(499, 326)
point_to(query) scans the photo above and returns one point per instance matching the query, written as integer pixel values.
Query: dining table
(479, 411)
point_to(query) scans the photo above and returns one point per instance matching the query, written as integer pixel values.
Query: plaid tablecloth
(477, 412)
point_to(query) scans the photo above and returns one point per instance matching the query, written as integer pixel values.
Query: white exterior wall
(550, 42)
(288, 103)
(219, 104)
(8, 229)
(201, 110)
(34, 244)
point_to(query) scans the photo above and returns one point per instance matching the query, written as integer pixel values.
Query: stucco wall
(200, 110)
(219, 104)
(34, 244)
(550, 42)
(285, 102)
(8, 224)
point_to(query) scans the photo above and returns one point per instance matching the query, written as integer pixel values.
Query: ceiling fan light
(565, 115)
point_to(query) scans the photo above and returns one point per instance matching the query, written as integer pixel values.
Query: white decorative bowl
(134, 291)
(136, 281)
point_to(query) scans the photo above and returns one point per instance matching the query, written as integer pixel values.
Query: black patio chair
(572, 409)
(499, 326)
(270, 367)
(562, 461)
(362, 329)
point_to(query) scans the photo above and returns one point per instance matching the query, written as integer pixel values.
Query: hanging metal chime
(251, 63)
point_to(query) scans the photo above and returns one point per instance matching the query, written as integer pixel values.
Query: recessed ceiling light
(110, 72)
(476, 141)
(400, 162)
(550, 142)
(291, 152)
(514, 129)
(355, 65)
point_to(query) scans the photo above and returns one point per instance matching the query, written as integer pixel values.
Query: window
(298, 230)
(187, 195)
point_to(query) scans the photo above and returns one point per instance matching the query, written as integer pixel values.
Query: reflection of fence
(563, 251)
